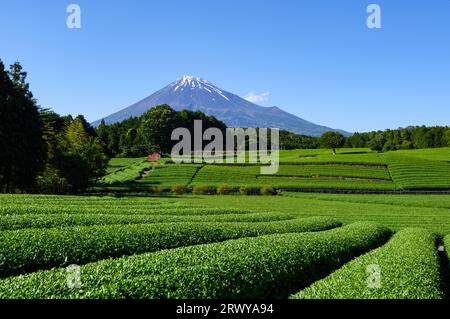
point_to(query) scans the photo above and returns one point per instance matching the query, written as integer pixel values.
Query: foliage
(126, 174)
(418, 174)
(261, 267)
(157, 126)
(203, 190)
(249, 190)
(224, 189)
(23, 150)
(377, 143)
(75, 136)
(291, 141)
(169, 175)
(267, 191)
(446, 243)
(24, 221)
(51, 182)
(297, 176)
(137, 137)
(33, 249)
(409, 268)
(411, 137)
(332, 140)
(179, 189)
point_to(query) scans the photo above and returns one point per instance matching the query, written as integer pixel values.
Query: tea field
(147, 232)
(302, 170)
(292, 245)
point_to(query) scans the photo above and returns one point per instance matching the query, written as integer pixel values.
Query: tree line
(42, 151)
(151, 132)
(412, 137)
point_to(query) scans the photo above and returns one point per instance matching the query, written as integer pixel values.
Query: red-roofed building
(154, 157)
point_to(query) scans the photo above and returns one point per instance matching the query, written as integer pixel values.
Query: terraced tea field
(169, 175)
(193, 247)
(304, 170)
(411, 173)
(126, 174)
(297, 176)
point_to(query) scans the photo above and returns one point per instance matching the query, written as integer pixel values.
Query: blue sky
(316, 58)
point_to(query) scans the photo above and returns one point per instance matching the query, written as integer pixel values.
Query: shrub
(447, 251)
(203, 190)
(179, 189)
(260, 267)
(248, 190)
(17, 222)
(267, 191)
(50, 182)
(225, 189)
(409, 266)
(157, 209)
(157, 190)
(33, 249)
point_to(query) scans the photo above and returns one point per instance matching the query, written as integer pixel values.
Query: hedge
(260, 267)
(408, 268)
(34, 249)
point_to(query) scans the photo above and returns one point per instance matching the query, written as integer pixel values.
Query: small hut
(154, 157)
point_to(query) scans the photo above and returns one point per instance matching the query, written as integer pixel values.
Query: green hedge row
(260, 267)
(33, 249)
(447, 253)
(170, 210)
(407, 267)
(126, 174)
(16, 222)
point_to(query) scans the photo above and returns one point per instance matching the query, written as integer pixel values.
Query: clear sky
(314, 58)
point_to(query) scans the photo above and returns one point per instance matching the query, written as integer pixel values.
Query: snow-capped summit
(190, 83)
(197, 94)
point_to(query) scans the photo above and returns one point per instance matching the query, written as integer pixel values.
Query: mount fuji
(197, 94)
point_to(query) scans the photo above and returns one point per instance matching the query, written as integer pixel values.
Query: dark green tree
(447, 138)
(23, 149)
(332, 140)
(157, 126)
(377, 143)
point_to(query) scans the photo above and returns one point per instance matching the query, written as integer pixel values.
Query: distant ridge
(197, 94)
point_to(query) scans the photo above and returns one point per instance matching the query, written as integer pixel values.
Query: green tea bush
(261, 267)
(203, 190)
(162, 209)
(157, 190)
(267, 191)
(225, 190)
(16, 222)
(179, 189)
(169, 175)
(447, 249)
(33, 249)
(126, 174)
(408, 268)
(248, 190)
(412, 173)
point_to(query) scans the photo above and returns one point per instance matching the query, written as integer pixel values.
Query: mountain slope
(197, 94)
